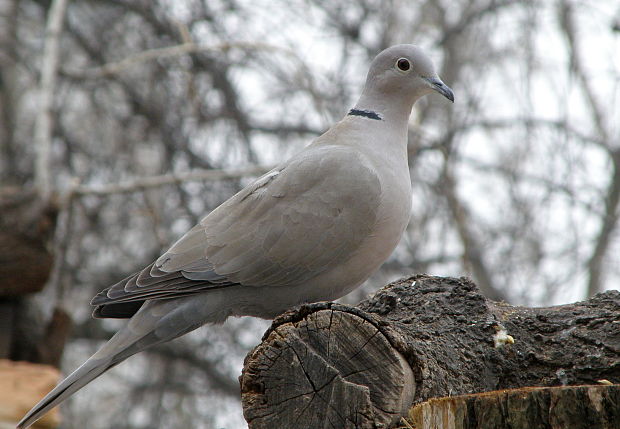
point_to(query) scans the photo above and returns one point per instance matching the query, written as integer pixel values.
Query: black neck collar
(366, 114)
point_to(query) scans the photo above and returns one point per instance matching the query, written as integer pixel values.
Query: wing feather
(310, 218)
(286, 228)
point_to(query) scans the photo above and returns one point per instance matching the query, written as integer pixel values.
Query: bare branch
(608, 225)
(471, 246)
(567, 23)
(49, 70)
(9, 95)
(612, 199)
(217, 380)
(467, 21)
(62, 238)
(168, 179)
(169, 51)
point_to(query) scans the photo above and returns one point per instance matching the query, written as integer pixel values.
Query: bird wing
(295, 222)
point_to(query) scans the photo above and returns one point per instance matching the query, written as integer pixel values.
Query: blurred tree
(516, 185)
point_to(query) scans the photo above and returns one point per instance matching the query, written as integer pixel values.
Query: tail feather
(86, 373)
(155, 322)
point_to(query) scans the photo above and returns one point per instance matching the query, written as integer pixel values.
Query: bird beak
(440, 87)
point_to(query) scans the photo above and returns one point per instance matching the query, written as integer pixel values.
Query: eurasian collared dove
(311, 229)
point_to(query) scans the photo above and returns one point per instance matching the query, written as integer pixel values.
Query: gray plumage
(312, 229)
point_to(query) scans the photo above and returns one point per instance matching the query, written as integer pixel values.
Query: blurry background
(516, 185)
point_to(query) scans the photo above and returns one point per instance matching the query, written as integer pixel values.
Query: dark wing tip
(122, 310)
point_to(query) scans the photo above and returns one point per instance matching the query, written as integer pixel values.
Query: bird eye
(403, 64)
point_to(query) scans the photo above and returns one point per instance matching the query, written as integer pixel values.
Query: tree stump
(331, 365)
(353, 379)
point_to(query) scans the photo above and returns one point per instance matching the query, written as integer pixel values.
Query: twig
(167, 179)
(567, 23)
(169, 51)
(49, 70)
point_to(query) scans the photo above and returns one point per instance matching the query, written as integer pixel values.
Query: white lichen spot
(413, 284)
(502, 338)
(562, 376)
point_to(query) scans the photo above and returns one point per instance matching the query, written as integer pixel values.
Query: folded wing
(289, 226)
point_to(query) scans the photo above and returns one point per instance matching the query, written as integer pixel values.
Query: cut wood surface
(354, 379)
(23, 384)
(570, 407)
(331, 365)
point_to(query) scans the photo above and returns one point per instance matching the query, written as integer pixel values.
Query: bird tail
(156, 322)
(90, 370)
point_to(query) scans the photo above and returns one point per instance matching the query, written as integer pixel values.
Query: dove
(312, 229)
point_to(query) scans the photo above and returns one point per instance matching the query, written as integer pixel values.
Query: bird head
(405, 71)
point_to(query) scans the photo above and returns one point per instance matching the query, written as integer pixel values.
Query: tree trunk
(26, 229)
(331, 365)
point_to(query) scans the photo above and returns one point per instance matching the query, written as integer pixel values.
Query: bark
(27, 226)
(25, 264)
(570, 407)
(331, 365)
(26, 229)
